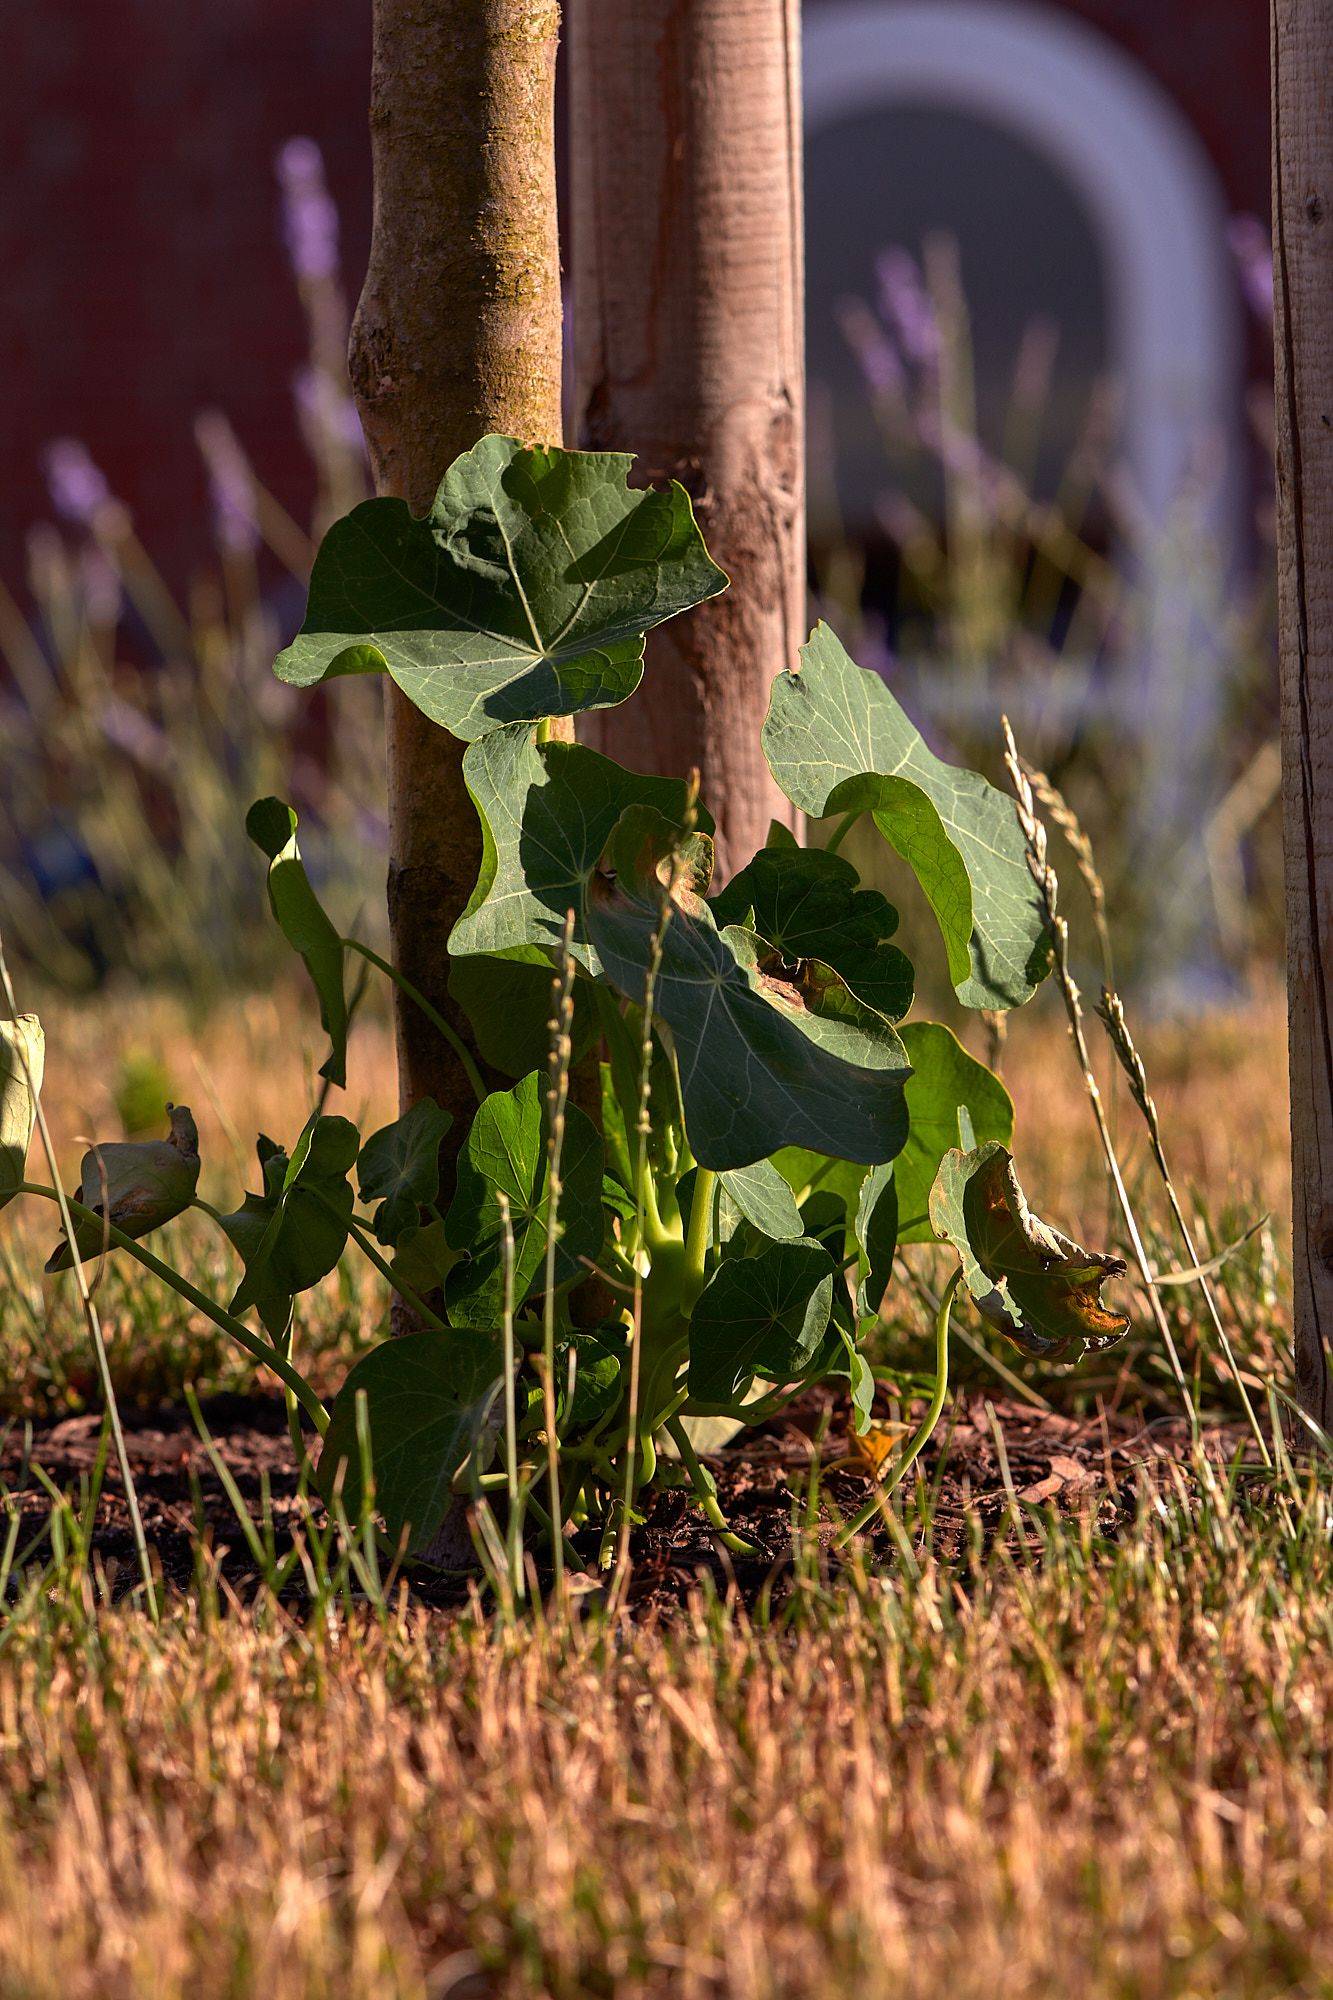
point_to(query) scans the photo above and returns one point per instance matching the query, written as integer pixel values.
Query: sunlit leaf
(547, 812)
(22, 1060)
(761, 1195)
(526, 591)
(1034, 1284)
(138, 1184)
(877, 1234)
(838, 742)
(944, 1077)
(304, 923)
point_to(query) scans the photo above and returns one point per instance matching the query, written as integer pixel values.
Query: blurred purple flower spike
(78, 488)
(876, 356)
(231, 484)
(1252, 249)
(906, 306)
(310, 219)
(327, 414)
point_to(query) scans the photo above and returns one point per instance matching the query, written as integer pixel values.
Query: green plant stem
(878, 1501)
(705, 1492)
(432, 1014)
(431, 1321)
(696, 1240)
(841, 831)
(257, 1348)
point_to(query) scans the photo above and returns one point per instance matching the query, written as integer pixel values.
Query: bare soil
(992, 1469)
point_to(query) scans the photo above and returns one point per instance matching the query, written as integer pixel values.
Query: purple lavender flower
(231, 484)
(1253, 252)
(875, 353)
(310, 219)
(906, 306)
(99, 582)
(327, 413)
(78, 488)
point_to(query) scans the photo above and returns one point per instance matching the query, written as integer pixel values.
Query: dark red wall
(144, 276)
(144, 273)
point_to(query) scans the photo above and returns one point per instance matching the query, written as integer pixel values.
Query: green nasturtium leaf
(293, 1234)
(809, 905)
(1034, 1284)
(761, 1315)
(838, 742)
(764, 1199)
(506, 1151)
(877, 1234)
(303, 921)
(138, 1184)
(423, 1260)
(547, 812)
(507, 999)
(22, 1060)
(526, 591)
(763, 1062)
(430, 1400)
(596, 1365)
(944, 1077)
(399, 1167)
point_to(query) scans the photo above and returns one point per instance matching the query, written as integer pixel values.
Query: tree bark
(458, 333)
(1303, 261)
(689, 351)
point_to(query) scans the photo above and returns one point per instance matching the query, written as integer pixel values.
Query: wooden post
(685, 130)
(458, 333)
(1303, 268)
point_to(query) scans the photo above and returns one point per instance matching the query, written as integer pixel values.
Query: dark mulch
(993, 1469)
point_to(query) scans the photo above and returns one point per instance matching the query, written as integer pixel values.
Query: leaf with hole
(1038, 1287)
(763, 1062)
(809, 905)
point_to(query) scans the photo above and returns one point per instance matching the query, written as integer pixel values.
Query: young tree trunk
(689, 351)
(458, 332)
(1303, 261)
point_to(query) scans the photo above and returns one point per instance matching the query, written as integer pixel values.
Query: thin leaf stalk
(877, 1505)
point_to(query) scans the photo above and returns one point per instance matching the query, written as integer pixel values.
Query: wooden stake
(1302, 82)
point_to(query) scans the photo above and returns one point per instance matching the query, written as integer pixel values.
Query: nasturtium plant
(717, 1134)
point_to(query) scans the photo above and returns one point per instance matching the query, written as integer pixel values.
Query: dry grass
(1101, 1769)
(1104, 1774)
